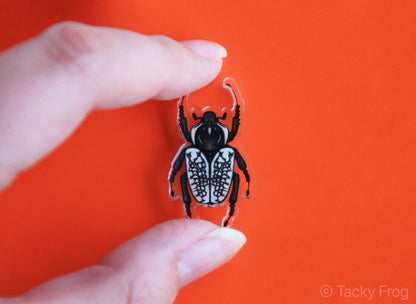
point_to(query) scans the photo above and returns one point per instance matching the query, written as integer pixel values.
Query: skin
(48, 84)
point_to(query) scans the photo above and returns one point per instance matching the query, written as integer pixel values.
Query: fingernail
(208, 253)
(207, 49)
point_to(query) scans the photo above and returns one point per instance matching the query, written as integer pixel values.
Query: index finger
(50, 82)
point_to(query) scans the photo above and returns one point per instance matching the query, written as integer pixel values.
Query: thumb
(150, 268)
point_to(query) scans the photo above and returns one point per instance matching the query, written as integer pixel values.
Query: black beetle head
(209, 134)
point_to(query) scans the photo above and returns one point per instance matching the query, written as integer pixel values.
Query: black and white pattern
(222, 168)
(210, 177)
(198, 174)
(210, 184)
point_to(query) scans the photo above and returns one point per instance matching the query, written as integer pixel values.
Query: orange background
(330, 131)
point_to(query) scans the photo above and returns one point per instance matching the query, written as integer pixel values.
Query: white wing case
(210, 184)
(197, 170)
(222, 168)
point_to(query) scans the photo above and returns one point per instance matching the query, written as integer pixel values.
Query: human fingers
(50, 82)
(150, 268)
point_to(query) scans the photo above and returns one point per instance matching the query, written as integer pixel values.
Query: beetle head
(209, 134)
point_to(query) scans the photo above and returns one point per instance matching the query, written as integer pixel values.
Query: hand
(47, 86)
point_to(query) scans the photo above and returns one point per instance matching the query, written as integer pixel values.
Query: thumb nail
(213, 250)
(207, 49)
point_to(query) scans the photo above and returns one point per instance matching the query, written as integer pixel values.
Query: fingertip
(213, 250)
(182, 67)
(228, 234)
(168, 238)
(207, 49)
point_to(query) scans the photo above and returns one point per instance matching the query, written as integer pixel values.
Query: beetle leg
(243, 167)
(232, 87)
(177, 165)
(185, 195)
(182, 121)
(233, 197)
(236, 124)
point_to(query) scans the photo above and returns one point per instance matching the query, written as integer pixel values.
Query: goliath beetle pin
(210, 173)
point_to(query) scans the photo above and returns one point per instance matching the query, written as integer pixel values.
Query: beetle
(209, 159)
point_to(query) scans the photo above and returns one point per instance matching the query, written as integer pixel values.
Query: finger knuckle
(68, 44)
